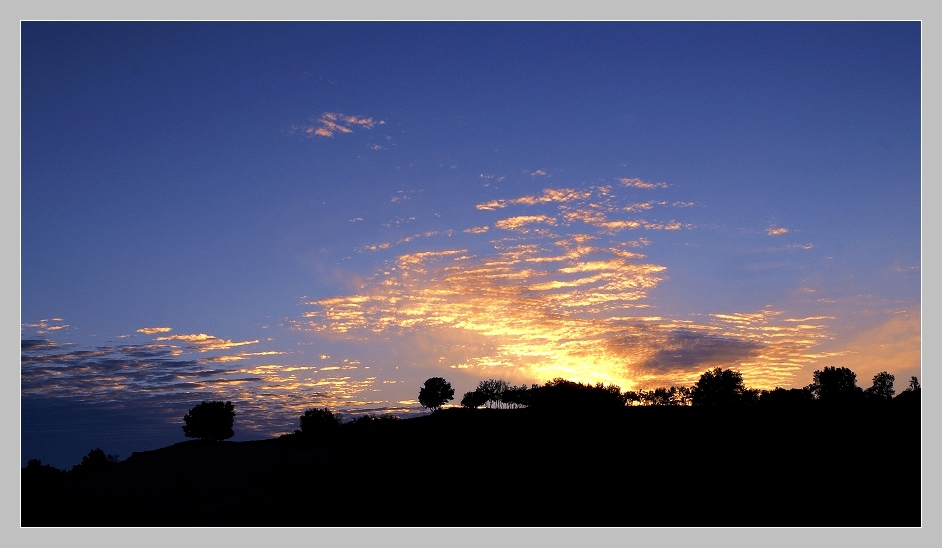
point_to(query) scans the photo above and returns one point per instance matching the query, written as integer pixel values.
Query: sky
(325, 214)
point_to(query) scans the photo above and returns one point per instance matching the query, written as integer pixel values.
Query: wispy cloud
(153, 330)
(331, 123)
(549, 195)
(638, 183)
(45, 326)
(204, 342)
(776, 231)
(158, 376)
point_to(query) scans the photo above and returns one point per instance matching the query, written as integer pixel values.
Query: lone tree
(720, 387)
(210, 420)
(436, 392)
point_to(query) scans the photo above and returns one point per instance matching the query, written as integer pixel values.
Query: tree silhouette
(436, 392)
(474, 399)
(835, 385)
(96, 460)
(910, 396)
(315, 421)
(781, 398)
(720, 387)
(515, 396)
(560, 393)
(210, 421)
(882, 386)
(493, 391)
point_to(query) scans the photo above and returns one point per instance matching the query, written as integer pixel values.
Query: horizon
(296, 215)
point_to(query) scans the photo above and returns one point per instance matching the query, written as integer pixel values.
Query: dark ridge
(657, 466)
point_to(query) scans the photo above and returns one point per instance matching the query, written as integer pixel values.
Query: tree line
(716, 387)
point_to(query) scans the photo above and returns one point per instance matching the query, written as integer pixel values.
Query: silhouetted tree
(658, 396)
(318, 421)
(493, 390)
(560, 393)
(36, 470)
(835, 385)
(436, 393)
(882, 386)
(95, 461)
(473, 399)
(515, 396)
(720, 387)
(910, 396)
(782, 398)
(210, 421)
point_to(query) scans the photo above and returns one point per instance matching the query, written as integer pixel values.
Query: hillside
(639, 466)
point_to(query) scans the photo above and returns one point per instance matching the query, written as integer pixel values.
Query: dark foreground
(638, 467)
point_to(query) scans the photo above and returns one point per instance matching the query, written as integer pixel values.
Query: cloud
(477, 229)
(154, 377)
(31, 345)
(204, 342)
(153, 330)
(776, 231)
(595, 206)
(331, 123)
(45, 326)
(570, 309)
(515, 223)
(638, 183)
(597, 218)
(549, 195)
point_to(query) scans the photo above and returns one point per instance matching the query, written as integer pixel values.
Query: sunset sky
(295, 215)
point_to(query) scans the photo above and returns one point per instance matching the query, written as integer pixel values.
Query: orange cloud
(153, 330)
(572, 318)
(204, 342)
(549, 195)
(515, 223)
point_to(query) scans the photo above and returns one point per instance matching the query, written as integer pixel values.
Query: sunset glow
(297, 215)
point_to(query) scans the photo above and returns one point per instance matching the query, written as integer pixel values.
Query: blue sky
(290, 215)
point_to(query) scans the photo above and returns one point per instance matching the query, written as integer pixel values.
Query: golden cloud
(204, 342)
(573, 317)
(153, 330)
(515, 223)
(549, 195)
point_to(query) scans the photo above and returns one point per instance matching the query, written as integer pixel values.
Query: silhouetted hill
(640, 466)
